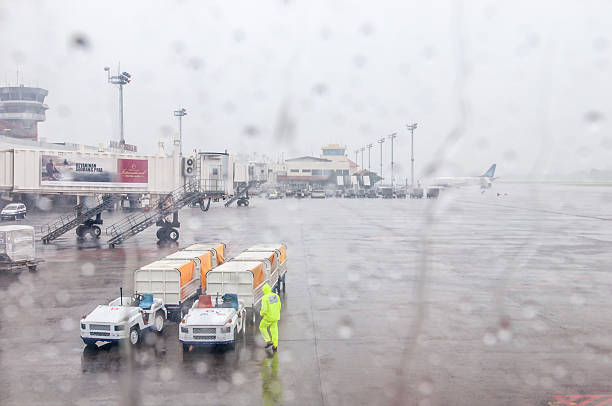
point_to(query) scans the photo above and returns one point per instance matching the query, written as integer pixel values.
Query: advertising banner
(75, 169)
(132, 170)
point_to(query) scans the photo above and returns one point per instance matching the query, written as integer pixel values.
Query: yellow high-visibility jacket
(270, 305)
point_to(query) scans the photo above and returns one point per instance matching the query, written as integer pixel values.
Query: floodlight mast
(362, 149)
(121, 79)
(180, 113)
(381, 141)
(392, 137)
(411, 128)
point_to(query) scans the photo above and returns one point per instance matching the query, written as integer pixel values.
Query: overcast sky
(525, 84)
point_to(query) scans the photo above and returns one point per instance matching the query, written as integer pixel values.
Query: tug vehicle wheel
(80, 230)
(97, 231)
(159, 322)
(134, 336)
(172, 234)
(91, 346)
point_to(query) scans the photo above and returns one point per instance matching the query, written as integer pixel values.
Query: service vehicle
(13, 211)
(338, 193)
(416, 193)
(176, 282)
(209, 323)
(243, 278)
(372, 194)
(318, 194)
(124, 318)
(349, 194)
(433, 192)
(18, 247)
(386, 192)
(280, 249)
(361, 194)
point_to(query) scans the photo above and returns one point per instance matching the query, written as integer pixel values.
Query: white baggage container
(17, 243)
(218, 249)
(271, 263)
(245, 279)
(176, 282)
(281, 248)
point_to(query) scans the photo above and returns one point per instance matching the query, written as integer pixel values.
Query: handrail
(80, 211)
(164, 205)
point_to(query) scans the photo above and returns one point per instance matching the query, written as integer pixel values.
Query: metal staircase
(80, 215)
(240, 194)
(163, 207)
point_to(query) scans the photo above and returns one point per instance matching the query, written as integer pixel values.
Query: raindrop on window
(88, 269)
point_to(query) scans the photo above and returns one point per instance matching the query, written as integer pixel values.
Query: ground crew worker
(270, 313)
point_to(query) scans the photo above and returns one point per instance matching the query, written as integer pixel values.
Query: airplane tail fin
(490, 172)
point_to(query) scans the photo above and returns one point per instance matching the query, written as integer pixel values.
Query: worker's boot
(268, 344)
(274, 349)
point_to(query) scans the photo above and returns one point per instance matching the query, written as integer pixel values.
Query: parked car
(372, 194)
(13, 211)
(349, 193)
(339, 193)
(274, 195)
(317, 194)
(361, 193)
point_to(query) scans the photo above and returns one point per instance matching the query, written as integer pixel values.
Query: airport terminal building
(332, 167)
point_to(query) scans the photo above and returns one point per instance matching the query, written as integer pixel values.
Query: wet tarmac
(471, 299)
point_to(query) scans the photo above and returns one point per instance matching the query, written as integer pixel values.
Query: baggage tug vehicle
(124, 318)
(210, 324)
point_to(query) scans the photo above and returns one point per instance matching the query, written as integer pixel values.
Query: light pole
(392, 137)
(380, 141)
(120, 79)
(362, 149)
(180, 113)
(369, 162)
(356, 152)
(411, 127)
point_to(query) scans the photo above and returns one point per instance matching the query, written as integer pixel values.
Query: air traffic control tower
(21, 109)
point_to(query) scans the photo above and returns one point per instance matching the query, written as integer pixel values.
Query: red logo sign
(133, 170)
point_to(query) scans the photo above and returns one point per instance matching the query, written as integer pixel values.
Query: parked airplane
(484, 181)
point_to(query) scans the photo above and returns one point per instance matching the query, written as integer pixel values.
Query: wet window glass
(305, 202)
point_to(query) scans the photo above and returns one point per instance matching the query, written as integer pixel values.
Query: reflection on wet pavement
(515, 307)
